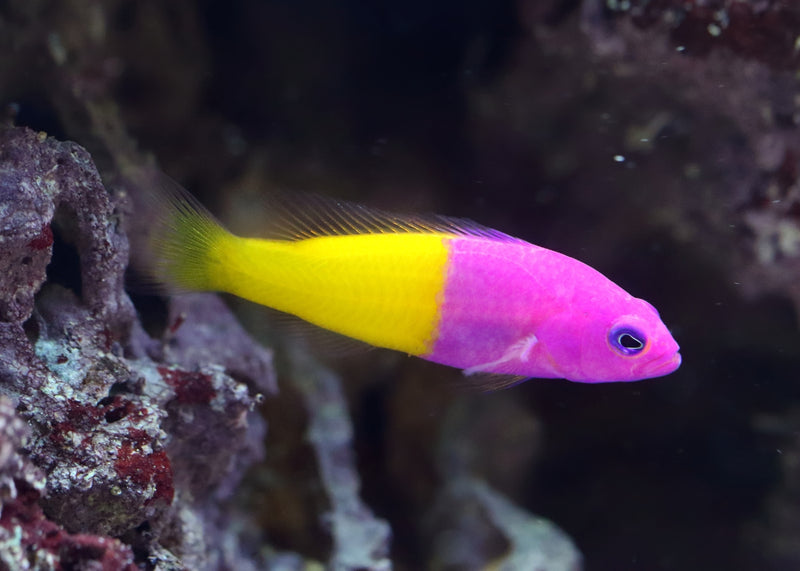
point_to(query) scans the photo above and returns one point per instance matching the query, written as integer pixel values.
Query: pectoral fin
(519, 351)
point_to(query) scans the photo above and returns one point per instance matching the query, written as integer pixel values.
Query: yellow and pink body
(445, 290)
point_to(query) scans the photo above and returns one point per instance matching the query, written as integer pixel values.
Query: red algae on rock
(143, 470)
(43, 240)
(191, 387)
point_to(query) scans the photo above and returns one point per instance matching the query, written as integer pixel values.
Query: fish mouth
(662, 366)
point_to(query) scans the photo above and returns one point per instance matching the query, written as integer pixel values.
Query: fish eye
(627, 340)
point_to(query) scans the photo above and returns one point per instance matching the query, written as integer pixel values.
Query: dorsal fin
(299, 216)
(296, 216)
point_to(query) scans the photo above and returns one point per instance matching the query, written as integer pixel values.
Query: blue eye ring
(627, 340)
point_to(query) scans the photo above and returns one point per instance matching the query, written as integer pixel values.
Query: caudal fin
(175, 241)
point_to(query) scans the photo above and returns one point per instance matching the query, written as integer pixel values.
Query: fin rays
(302, 216)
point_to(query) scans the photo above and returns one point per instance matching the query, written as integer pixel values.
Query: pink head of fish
(512, 308)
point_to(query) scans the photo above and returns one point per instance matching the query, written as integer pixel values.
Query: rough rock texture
(129, 447)
(42, 180)
(28, 539)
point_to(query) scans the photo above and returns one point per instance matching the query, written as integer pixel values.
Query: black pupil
(629, 341)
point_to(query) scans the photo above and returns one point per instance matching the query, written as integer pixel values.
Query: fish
(447, 290)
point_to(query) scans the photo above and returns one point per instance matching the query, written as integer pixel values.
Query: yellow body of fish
(383, 289)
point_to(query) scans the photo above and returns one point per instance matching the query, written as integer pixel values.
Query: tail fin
(175, 241)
